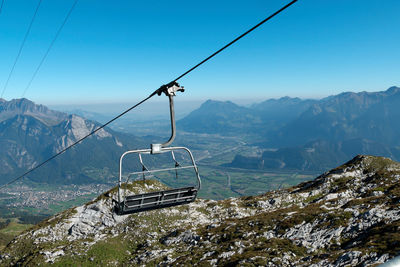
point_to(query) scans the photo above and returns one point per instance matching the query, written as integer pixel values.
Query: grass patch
(313, 198)
(337, 219)
(341, 184)
(11, 230)
(4, 240)
(14, 228)
(103, 253)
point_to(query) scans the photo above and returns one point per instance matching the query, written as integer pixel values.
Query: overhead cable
(21, 47)
(158, 91)
(49, 48)
(236, 39)
(1, 5)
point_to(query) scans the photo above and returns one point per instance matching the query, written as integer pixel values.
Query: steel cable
(49, 48)
(1, 6)
(21, 47)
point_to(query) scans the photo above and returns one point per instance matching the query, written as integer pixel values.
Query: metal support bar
(173, 126)
(176, 164)
(170, 91)
(144, 168)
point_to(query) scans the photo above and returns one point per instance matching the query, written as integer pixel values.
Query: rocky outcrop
(349, 216)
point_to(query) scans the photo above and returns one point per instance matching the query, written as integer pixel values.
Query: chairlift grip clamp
(170, 89)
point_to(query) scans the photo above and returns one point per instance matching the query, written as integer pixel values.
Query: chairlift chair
(166, 198)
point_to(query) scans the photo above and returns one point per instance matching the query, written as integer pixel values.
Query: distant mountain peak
(393, 90)
(210, 102)
(9, 109)
(285, 98)
(390, 91)
(21, 102)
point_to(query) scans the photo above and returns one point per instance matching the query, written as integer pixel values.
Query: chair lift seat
(159, 199)
(164, 198)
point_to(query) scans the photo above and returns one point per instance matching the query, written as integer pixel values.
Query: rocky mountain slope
(320, 155)
(227, 118)
(349, 216)
(340, 126)
(373, 116)
(216, 117)
(288, 122)
(31, 133)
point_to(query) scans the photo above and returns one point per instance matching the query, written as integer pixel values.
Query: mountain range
(307, 134)
(227, 118)
(371, 116)
(294, 134)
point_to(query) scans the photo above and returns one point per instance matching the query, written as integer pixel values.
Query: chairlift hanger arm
(173, 125)
(169, 90)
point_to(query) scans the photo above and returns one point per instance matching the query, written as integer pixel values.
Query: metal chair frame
(159, 199)
(164, 198)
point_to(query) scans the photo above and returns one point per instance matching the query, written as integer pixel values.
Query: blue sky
(120, 51)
